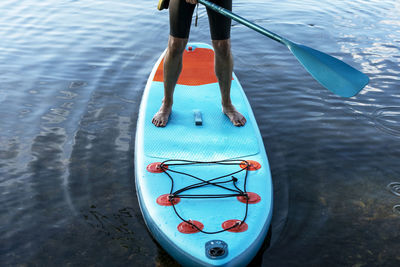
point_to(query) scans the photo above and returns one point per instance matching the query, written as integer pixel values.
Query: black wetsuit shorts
(180, 19)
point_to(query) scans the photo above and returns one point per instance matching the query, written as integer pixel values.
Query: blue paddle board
(204, 185)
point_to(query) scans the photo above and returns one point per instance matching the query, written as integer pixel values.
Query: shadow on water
(116, 226)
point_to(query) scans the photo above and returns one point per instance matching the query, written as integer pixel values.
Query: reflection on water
(71, 80)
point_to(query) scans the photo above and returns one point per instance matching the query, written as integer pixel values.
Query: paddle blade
(332, 73)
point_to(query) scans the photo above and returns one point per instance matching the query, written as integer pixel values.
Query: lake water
(71, 78)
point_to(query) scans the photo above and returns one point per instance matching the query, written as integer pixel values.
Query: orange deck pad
(197, 69)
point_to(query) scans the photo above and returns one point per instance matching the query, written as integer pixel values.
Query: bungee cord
(216, 181)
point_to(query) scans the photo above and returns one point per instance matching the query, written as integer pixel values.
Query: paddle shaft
(335, 75)
(243, 21)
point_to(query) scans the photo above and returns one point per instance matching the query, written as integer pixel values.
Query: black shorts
(180, 19)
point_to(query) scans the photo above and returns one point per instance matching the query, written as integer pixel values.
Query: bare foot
(160, 119)
(235, 116)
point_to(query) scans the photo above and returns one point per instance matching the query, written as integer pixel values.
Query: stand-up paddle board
(204, 185)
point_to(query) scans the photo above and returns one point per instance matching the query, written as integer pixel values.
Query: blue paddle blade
(333, 74)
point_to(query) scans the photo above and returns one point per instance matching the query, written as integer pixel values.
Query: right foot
(235, 116)
(160, 119)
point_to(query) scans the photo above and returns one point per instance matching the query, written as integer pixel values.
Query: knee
(222, 48)
(176, 46)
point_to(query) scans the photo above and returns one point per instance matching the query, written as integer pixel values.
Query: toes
(159, 123)
(156, 122)
(239, 122)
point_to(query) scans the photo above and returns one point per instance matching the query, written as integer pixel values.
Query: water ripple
(396, 209)
(394, 188)
(387, 119)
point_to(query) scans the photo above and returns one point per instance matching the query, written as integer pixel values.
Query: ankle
(167, 102)
(226, 103)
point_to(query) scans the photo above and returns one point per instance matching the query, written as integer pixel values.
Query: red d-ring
(155, 167)
(251, 165)
(166, 200)
(253, 198)
(187, 228)
(240, 226)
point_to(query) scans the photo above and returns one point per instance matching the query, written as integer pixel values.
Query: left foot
(235, 116)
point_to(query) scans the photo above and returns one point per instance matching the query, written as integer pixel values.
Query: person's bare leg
(172, 69)
(223, 70)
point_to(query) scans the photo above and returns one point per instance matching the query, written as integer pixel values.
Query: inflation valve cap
(216, 249)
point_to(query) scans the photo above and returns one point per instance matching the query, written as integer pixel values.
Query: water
(71, 80)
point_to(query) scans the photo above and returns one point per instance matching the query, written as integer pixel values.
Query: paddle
(332, 73)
